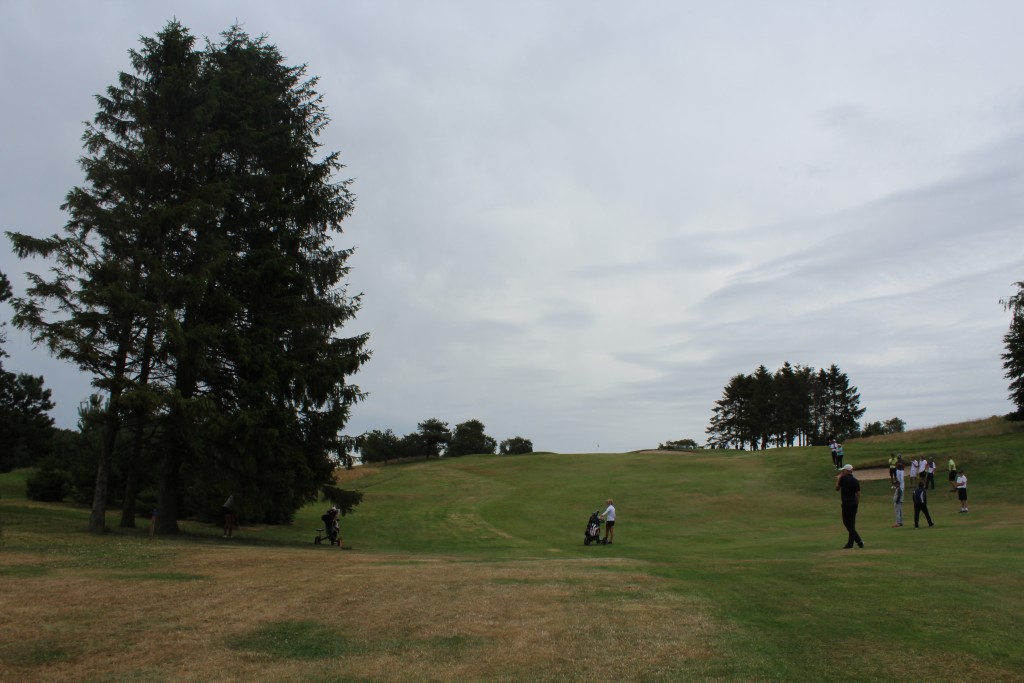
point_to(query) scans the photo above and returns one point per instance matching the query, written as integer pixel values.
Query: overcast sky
(577, 220)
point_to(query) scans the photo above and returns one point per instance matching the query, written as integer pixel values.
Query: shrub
(48, 486)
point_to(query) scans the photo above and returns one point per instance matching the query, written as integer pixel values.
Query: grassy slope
(748, 542)
(757, 537)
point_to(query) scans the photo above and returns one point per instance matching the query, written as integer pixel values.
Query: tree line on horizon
(434, 439)
(795, 405)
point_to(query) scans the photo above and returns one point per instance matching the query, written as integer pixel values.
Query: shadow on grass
(35, 653)
(307, 640)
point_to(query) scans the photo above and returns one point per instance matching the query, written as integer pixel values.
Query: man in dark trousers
(921, 504)
(849, 492)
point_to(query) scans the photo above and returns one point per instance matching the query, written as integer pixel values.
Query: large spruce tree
(1013, 359)
(197, 278)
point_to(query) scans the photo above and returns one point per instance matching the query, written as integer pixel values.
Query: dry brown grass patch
(443, 619)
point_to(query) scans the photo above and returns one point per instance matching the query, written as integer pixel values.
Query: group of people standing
(922, 470)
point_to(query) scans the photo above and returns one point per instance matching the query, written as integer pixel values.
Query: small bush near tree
(517, 445)
(891, 426)
(48, 486)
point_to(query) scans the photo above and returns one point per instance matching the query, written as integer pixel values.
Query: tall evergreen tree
(764, 408)
(110, 260)
(198, 280)
(837, 402)
(731, 425)
(1013, 359)
(258, 348)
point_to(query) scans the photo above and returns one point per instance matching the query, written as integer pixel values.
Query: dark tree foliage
(792, 405)
(680, 445)
(516, 445)
(435, 437)
(837, 408)
(469, 438)
(1013, 359)
(891, 426)
(379, 446)
(26, 430)
(345, 500)
(198, 280)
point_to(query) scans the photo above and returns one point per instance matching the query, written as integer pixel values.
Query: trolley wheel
(316, 540)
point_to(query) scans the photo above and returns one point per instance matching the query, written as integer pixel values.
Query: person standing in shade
(921, 504)
(609, 522)
(229, 514)
(849, 494)
(951, 466)
(834, 447)
(897, 498)
(839, 456)
(961, 490)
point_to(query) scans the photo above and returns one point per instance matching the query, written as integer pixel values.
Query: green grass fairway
(727, 566)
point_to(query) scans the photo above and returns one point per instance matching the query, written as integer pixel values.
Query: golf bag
(593, 532)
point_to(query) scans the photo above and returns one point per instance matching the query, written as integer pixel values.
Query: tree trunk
(167, 516)
(128, 511)
(131, 491)
(98, 516)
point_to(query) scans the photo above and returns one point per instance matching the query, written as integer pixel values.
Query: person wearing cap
(849, 493)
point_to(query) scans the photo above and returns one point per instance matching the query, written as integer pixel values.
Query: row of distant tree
(877, 428)
(795, 405)
(434, 439)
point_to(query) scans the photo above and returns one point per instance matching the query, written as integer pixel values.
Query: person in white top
(930, 479)
(961, 490)
(609, 522)
(897, 498)
(914, 465)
